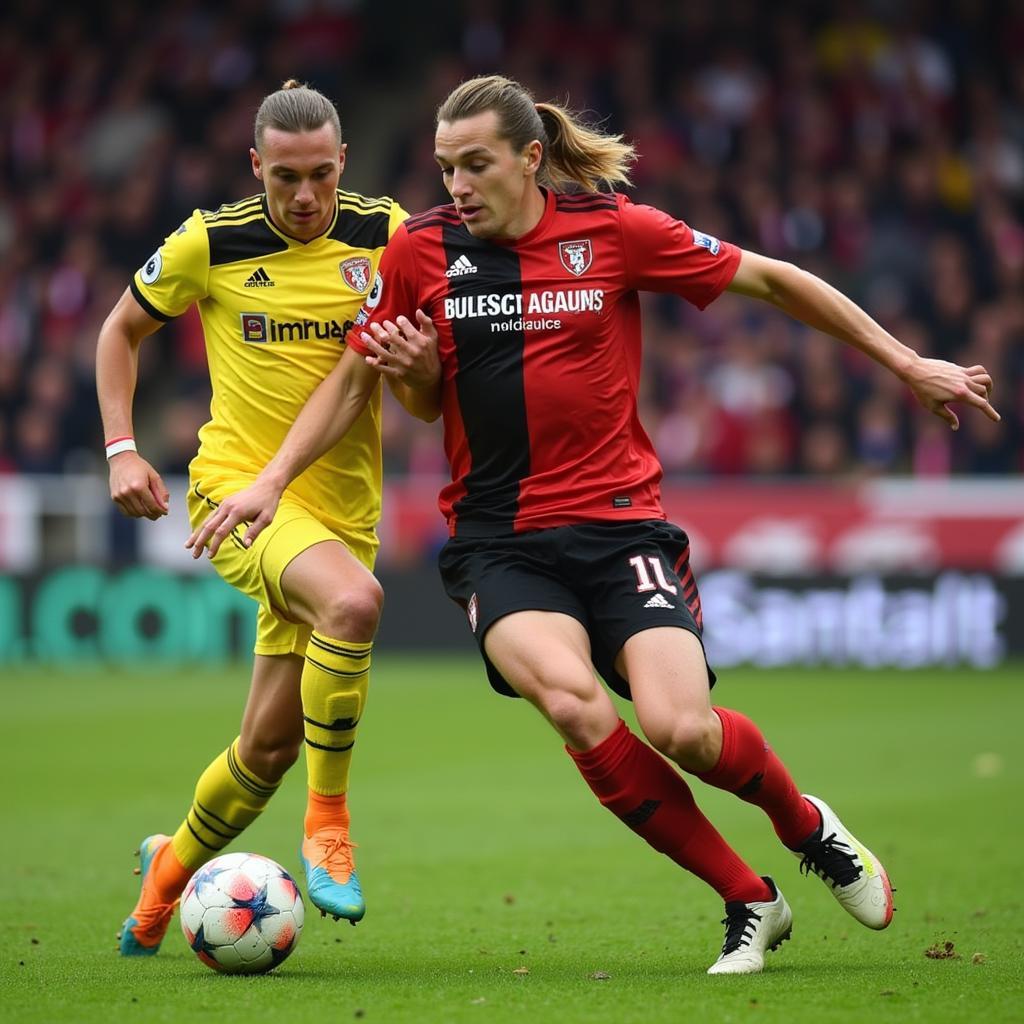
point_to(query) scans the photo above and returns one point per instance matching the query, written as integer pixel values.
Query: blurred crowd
(879, 145)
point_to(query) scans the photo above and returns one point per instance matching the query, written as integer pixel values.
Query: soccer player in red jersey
(559, 550)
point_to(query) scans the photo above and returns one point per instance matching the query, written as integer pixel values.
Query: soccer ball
(242, 913)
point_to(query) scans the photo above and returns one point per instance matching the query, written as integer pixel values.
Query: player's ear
(341, 157)
(257, 164)
(532, 156)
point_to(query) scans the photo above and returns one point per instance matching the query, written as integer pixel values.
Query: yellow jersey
(275, 312)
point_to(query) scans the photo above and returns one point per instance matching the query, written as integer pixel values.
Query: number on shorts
(644, 582)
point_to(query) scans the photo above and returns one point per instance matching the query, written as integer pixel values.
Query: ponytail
(573, 153)
(577, 154)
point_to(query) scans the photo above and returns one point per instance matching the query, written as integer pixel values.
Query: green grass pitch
(498, 890)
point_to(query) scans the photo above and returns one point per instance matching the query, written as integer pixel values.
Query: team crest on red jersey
(576, 256)
(356, 272)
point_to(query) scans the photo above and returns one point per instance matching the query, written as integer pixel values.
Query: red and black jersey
(540, 350)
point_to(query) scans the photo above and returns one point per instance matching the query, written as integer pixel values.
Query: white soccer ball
(242, 913)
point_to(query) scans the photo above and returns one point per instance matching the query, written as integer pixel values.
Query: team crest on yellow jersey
(356, 272)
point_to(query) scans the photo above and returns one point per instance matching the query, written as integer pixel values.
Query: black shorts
(617, 579)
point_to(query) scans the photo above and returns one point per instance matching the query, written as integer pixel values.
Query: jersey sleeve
(666, 255)
(394, 292)
(176, 275)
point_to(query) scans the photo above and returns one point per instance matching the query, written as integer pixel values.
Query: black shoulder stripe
(238, 220)
(436, 211)
(244, 206)
(364, 211)
(256, 200)
(146, 304)
(439, 216)
(368, 202)
(251, 210)
(585, 202)
(449, 217)
(595, 202)
(435, 222)
(361, 230)
(579, 197)
(366, 205)
(231, 243)
(584, 209)
(359, 197)
(344, 204)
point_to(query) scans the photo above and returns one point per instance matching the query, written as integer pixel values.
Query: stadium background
(878, 145)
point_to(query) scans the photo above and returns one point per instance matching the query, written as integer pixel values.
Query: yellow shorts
(257, 570)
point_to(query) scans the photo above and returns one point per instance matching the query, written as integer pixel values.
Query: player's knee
(572, 715)
(269, 757)
(353, 614)
(564, 710)
(691, 740)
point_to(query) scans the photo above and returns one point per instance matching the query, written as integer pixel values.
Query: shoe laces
(831, 859)
(739, 926)
(151, 919)
(335, 852)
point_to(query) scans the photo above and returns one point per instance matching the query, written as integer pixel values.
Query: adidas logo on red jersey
(460, 267)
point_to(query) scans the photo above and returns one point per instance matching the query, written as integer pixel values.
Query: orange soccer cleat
(144, 929)
(331, 878)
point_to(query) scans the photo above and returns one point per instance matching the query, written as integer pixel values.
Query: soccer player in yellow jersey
(278, 278)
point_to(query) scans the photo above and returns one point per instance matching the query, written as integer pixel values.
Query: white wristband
(120, 444)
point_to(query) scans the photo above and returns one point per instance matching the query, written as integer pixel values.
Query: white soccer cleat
(750, 930)
(852, 872)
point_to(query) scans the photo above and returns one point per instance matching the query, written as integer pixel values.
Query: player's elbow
(127, 324)
(114, 334)
(793, 288)
(764, 278)
(781, 283)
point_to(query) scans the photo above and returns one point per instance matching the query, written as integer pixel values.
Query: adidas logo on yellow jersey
(259, 278)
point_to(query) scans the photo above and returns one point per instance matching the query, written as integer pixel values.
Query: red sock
(749, 768)
(636, 784)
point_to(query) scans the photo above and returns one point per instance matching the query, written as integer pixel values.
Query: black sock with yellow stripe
(334, 683)
(228, 798)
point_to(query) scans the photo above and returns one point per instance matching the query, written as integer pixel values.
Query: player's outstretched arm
(406, 356)
(325, 418)
(934, 382)
(135, 486)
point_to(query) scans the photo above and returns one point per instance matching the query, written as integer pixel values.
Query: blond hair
(574, 154)
(295, 108)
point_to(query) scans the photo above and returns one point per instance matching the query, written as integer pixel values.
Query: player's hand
(136, 487)
(255, 505)
(404, 351)
(936, 383)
